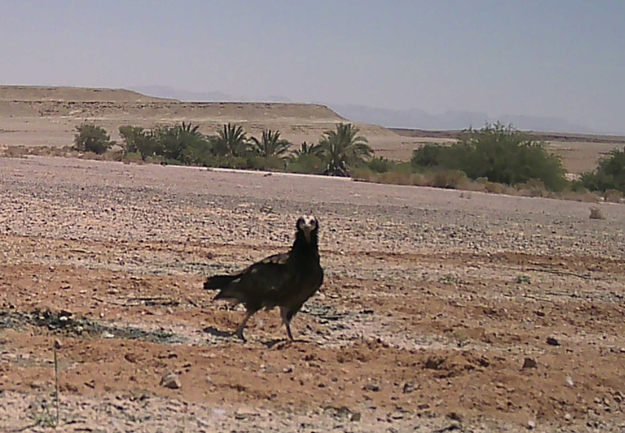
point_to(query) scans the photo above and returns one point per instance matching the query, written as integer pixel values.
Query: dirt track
(432, 304)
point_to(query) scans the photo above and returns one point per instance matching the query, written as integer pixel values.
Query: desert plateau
(441, 310)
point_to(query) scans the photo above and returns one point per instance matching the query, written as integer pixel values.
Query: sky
(563, 58)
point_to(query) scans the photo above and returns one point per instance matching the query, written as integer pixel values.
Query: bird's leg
(239, 330)
(287, 322)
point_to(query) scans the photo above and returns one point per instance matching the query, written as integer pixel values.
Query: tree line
(337, 153)
(497, 154)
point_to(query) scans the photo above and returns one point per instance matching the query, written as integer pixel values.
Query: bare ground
(480, 312)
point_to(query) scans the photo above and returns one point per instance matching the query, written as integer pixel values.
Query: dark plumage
(284, 280)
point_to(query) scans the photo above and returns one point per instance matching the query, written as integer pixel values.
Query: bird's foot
(239, 334)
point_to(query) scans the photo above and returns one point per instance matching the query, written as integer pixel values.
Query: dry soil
(441, 310)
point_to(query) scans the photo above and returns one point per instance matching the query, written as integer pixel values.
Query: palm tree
(175, 141)
(231, 141)
(344, 148)
(270, 144)
(307, 149)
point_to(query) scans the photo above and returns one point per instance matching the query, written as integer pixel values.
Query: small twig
(45, 420)
(57, 345)
(193, 303)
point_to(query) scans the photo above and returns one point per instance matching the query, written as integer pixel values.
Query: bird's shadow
(281, 343)
(272, 343)
(217, 332)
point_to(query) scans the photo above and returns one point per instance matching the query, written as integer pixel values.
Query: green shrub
(428, 155)
(137, 140)
(269, 163)
(307, 163)
(380, 165)
(92, 138)
(609, 174)
(497, 153)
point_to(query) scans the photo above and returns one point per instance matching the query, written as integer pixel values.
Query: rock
(529, 363)
(569, 381)
(37, 384)
(371, 387)
(408, 387)
(531, 425)
(567, 417)
(454, 416)
(170, 380)
(552, 341)
(244, 413)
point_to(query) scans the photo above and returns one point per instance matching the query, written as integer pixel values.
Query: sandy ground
(440, 311)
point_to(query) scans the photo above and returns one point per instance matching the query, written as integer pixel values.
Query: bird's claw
(239, 334)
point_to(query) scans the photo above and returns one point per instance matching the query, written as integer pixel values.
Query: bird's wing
(276, 259)
(263, 281)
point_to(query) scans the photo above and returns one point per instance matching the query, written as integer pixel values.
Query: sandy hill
(35, 115)
(78, 94)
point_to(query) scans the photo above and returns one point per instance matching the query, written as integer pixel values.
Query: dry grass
(457, 180)
(613, 196)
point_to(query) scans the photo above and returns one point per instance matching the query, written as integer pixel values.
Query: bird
(284, 280)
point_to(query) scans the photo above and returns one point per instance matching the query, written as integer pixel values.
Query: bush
(380, 165)
(92, 138)
(137, 140)
(307, 163)
(428, 155)
(609, 174)
(497, 153)
(269, 163)
(452, 179)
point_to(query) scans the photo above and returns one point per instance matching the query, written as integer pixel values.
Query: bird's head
(308, 225)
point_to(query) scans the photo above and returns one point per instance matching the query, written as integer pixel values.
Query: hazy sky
(562, 58)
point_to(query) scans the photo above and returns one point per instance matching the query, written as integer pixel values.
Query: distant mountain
(413, 118)
(452, 120)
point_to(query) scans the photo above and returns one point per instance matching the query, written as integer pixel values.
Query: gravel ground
(441, 310)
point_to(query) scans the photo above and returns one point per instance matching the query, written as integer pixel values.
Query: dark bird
(285, 280)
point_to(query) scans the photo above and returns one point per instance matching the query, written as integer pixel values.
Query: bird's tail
(227, 291)
(218, 282)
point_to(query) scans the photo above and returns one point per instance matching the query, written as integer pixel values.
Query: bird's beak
(307, 229)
